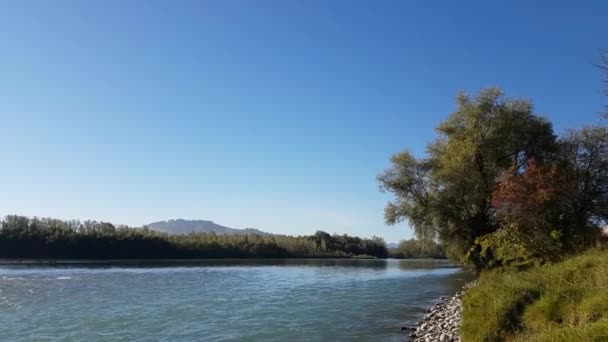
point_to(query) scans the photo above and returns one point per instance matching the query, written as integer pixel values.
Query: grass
(567, 301)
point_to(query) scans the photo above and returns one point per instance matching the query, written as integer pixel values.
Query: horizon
(276, 116)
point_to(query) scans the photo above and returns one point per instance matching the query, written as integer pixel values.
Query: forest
(46, 238)
(418, 249)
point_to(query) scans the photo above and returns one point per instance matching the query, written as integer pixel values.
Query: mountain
(392, 245)
(199, 226)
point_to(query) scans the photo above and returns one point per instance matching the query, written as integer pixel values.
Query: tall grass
(567, 301)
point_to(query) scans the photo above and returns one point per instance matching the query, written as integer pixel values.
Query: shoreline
(441, 322)
(150, 261)
(187, 262)
(68, 262)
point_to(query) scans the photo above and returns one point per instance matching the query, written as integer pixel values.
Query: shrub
(504, 248)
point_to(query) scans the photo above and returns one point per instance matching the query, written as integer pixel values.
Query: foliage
(529, 208)
(447, 195)
(566, 200)
(546, 212)
(497, 188)
(22, 237)
(504, 248)
(584, 155)
(417, 249)
(566, 301)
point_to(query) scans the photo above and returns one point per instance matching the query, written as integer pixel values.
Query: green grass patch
(567, 301)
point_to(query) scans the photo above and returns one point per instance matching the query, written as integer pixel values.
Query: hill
(392, 245)
(181, 226)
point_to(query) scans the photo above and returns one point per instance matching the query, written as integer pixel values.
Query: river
(222, 300)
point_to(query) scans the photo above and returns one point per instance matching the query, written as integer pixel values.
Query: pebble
(442, 321)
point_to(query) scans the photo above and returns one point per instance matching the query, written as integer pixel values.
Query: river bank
(562, 302)
(441, 322)
(164, 261)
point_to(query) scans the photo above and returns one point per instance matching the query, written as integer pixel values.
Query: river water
(222, 300)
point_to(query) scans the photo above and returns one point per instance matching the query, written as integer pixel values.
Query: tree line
(418, 249)
(498, 187)
(46, 238)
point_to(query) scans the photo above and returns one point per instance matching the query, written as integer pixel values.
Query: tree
(22, 237)
(584, 154)
(414, 249)
(546, 212)
(531, 211)
(447, 194)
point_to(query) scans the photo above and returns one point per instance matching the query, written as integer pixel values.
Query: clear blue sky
(269, 114)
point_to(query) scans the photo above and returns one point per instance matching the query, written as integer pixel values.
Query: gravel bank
(442, 321)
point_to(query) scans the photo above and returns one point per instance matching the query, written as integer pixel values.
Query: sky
(276, 115)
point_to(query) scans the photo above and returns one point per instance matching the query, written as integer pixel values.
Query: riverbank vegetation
(44, 238)
(567, 301)
(521, 205)
(499, 188)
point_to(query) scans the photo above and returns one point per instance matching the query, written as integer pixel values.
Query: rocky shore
(441, 322)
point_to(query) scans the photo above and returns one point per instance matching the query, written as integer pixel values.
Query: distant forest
(46, 238)
(418, 249)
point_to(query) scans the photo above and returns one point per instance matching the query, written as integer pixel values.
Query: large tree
(550, 211)
(446, 195)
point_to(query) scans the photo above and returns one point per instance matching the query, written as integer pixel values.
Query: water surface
(222, 300)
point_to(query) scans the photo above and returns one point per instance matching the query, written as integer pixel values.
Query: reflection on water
(222, 300)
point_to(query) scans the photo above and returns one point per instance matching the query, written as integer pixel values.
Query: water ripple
(308, 300)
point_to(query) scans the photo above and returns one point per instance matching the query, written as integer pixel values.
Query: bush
(504, 248)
